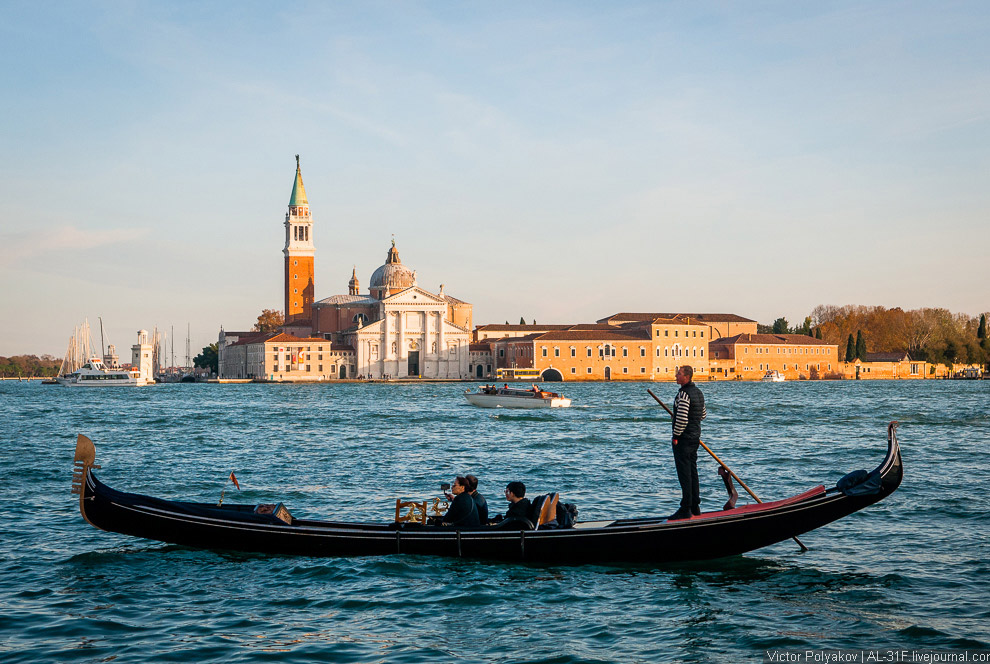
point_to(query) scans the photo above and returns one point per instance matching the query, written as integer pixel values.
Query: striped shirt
(682, 408)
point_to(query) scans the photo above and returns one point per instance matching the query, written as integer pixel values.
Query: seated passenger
(479, 501)
(462, 512)
(519, 506)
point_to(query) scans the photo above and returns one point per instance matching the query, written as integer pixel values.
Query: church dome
(391, 277)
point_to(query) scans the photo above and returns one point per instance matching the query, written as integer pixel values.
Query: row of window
(286, 368)
(694, 333)
(609, 351)
(625, 370)
(787, 351)
(807, 367)
(301, 233)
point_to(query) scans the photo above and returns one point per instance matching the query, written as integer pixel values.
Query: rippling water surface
(910, 572)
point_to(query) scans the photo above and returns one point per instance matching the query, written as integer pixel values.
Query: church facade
(397, 329)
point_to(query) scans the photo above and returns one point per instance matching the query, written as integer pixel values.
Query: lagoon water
(910, 572)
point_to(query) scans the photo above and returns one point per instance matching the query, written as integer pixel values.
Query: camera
(444, 487)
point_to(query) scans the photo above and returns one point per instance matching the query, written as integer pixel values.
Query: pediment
(371, 328)
(450, 328)
(414, 296)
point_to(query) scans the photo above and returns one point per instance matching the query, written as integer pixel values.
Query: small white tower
(141, 358)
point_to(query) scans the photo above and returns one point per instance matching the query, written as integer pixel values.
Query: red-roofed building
(878, 366)
(630, 350)
(719, 325)
(276, 356)
(795, 356)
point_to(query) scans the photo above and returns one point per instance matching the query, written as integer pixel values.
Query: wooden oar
(721, 463)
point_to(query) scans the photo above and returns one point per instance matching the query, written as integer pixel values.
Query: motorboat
(270, 528)
(773, 376)
(96, 374)
(491, 396)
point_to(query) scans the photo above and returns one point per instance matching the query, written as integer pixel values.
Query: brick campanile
(299, 255)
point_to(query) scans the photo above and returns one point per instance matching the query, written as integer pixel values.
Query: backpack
(567, 515)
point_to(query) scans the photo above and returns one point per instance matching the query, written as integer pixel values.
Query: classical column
(400, 346)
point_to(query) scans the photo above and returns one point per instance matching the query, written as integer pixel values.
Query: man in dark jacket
(519, 505)
(689, 410)
(479, 500)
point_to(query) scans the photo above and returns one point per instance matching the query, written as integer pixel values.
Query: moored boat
(271, 528)
(773, 376)
(491, 396)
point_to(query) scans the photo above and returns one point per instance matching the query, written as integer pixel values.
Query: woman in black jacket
(462, 512)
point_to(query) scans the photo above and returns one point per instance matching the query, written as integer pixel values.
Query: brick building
(751, 356)
(885, 365)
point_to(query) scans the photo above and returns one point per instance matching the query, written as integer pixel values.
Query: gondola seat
(544, 511)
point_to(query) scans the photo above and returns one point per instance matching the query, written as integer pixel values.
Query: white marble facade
(411, 338)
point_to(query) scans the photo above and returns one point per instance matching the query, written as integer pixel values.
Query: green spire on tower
(298, 191)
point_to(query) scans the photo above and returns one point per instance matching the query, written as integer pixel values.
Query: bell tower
(299, 255)
(354, 286)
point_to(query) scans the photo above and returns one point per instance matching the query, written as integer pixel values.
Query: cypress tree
(850, 349)
(860, 345)
(818, 333)
(522, 321)
(981, 333)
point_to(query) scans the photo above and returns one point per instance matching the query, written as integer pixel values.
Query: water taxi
(773, 377)
(491, 396)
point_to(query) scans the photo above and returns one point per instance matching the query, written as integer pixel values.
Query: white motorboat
(773, 376)
(96, 374)
(509, 397)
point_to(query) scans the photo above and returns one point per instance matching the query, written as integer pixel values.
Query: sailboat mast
(103, 347)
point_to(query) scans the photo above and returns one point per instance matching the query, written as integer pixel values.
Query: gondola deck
(650, 539)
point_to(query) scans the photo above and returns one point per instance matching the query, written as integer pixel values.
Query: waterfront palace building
(395, 330)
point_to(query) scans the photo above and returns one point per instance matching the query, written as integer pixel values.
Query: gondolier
(689, 410)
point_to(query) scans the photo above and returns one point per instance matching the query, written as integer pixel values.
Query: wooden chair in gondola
(416, 513)
(548, 510)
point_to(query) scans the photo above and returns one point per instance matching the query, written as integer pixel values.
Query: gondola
(271, 529)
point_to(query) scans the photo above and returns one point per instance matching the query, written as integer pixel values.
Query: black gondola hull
(713, 535)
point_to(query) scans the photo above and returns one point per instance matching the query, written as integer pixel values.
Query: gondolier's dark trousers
(686, 463)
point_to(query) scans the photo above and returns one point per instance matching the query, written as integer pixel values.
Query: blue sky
(557, 161)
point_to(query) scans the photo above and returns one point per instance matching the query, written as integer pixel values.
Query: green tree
(29, 366)
(208, 359)
(780, 326)
(981, 332)
(522, 321)
(806, 328)
(818, 333)
(860, 345)
(850, 349)
(269, 321)
(951, 352)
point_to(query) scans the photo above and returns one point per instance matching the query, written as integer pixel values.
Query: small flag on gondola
(234, 480)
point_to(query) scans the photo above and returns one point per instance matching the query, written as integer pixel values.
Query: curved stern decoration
(81, 465)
